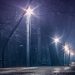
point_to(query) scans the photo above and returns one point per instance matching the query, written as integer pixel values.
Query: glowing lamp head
(66, 47)
(56, 40)
(29, 12)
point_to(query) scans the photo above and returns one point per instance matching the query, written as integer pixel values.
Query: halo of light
(29, 12)
(56, 40)
(66, 48)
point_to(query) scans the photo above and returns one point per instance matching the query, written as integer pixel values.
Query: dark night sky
(54, 17)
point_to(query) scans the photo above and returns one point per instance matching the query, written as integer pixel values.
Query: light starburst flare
(68, 49)
(29, 12)
(56, 40)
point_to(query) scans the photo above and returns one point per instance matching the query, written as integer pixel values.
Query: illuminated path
(37, 71)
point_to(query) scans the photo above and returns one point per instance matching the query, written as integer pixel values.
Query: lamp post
(57, 41)
(28, 12)
(66, 48)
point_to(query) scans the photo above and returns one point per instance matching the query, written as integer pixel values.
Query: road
(37, 71)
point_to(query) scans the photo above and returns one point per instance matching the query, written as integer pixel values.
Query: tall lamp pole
(66, 47)
(28, 25)
(28, 12)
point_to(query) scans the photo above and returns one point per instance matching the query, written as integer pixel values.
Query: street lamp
(66, 47)
(68, 50)
(29, 13)
(56, 40)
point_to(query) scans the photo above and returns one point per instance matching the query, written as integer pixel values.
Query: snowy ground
(37, 71)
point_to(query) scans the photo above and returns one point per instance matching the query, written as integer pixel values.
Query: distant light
(56, 40)
(29, 12)
(66, 48)
(72, 53)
